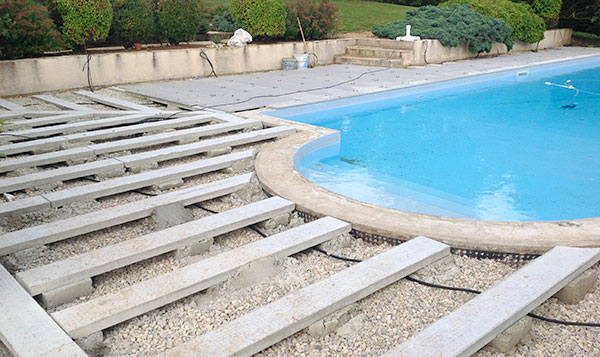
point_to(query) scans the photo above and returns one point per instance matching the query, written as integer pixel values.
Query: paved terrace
(251, 91)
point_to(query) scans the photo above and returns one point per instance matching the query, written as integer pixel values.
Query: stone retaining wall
(65, 72)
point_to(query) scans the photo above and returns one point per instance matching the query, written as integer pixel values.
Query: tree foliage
(133, 21)
(26, 29)
(581, 15)
(84, 20)
(450, 25)
(181, 20)
(525, 24)
(259, 18)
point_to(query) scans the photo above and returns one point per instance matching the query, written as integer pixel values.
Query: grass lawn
(356, 15)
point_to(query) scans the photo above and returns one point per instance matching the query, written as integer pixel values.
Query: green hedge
(525, 24)
(133, 21)
(415, 3)
(84, 21)
(181, 20)
(581, 15)
(259, 18)
(318, 19)
(26, 29)
(451, 25)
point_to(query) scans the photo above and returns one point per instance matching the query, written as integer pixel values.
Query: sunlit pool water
(518, 145)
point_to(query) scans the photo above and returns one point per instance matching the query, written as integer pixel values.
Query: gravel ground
(366, 328)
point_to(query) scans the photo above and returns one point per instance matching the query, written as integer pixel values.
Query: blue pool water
(508, 146)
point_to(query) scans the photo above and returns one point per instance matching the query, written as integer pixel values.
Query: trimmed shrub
(26, 29)
(525, 24)
(223, 23)
(415, 3)
(581, 15)
(450, 25)
(545, 8)
(181, 20)
(84, 20)
(318, 19)
(259, 18)
(133, 21)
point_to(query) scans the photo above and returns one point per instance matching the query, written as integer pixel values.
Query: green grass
(355, 15)
(589, 36)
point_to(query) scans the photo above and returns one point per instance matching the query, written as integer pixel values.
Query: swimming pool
(517, 145)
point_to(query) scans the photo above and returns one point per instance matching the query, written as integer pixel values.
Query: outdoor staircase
(377, 52)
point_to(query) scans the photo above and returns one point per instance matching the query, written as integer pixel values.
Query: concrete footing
(218, 152)
(576, 290)
(169, 184)
(508, 339)
(331, 323)
(92, 344)
(67, 293)
(111, 173)
(239, 166)
(281, 220)
(171, 215)
(188, 140)
(194, 248)
(143, 167)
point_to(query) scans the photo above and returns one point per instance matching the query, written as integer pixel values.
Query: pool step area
(476, 323)
(377, 52)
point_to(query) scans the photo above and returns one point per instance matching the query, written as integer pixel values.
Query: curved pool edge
(274, 166)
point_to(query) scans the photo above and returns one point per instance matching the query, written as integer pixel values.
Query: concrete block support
(218, 152)
(67, 293)
(92, 344)
(164, 186)
(171, 215)
(508, 339)
(576, 290)
(143, 167)
(194, 248)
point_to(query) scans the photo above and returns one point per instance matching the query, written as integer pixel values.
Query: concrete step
(377, 52)
(84, 319)
(25, 328)
(269, 324)
(476, 323)
(94, 221)
(126, 144)
(121, 184)
(115, 102)
(367, 61)
(384, 43)
(84, 266)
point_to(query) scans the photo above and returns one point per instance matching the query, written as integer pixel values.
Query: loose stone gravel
(369, 327)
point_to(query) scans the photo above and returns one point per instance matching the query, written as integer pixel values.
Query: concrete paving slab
(10, 105)
(214, 92)
(46, 159)
(115, 102)
(61, 103)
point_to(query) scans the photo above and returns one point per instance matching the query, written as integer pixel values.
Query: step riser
(378, 53)
(391, 63)
(385, 43)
